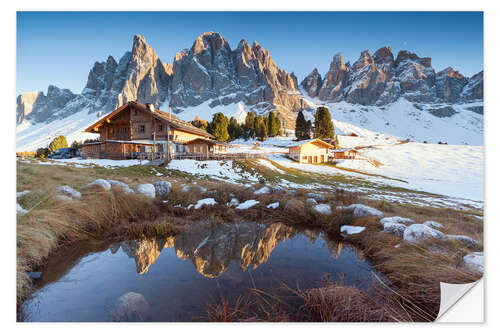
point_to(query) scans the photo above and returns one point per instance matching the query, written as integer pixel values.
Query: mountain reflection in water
(174, 278)
(211, 248)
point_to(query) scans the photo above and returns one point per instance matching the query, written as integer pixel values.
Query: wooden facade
(310, 151)
(206, 147)
(342, 154)
(134, 128)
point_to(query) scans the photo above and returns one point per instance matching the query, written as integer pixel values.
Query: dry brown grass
(336, 302)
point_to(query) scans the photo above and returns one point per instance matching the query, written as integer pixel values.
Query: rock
(234, 202)
(323, 209)
(443, 112)
(69, 191)
(205, 202)
(464, 239)
(311, 201)
(20, 210)
(397, 219)
(449, 85)
(312, 83)
(63, 197)
(433, 224)
(22, 193)
(162, 188)
(132, 306)
(316, 196)
(290, 192)
(351, 230)
(121, 185)
(473, 90)
(295, 206)
(278, 189)
(247, 204)
(104, 184)
(359, 210)
(34, 275)
(273, 205)
(397, 229)
(419, 232)
(187, 188)
(474, 262)
(262, 190)
(147, 190)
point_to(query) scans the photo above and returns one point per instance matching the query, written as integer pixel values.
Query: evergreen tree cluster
(259, 127)
(323, 126)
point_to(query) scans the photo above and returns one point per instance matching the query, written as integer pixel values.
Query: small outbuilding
(309, 151)
(345, 153)
(205, 146)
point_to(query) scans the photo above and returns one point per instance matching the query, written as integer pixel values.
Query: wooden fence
(162, 156)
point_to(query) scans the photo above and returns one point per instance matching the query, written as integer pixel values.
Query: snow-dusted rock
(62, 197)
(273, 205)
(187, 188)
(102, 183)
(351, 230)
(147, 190)
(205, 202)
(397, 219)
(162, 188)
(69, 191)
(433, 224)
(234, 202)
(316, 196)
(474, 262)
(122, 185)
(247, 204)
(419, 232)
(278, 189)
(20, 210)
(397, 229)
(323, 209)
(290, 192)
(22, 193)
(263, 190)
(464, 239)
(359, 210)
(311, 201)
(132, 306)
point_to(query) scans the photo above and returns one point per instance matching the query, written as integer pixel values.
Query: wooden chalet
(309, 151)
(205, 146)
(136, 129)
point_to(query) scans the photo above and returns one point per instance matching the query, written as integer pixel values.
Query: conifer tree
(302, 127)
(323, 125)
(273, 124)
(218, 127)
(260, 128)
(234, 129)
(248, 126)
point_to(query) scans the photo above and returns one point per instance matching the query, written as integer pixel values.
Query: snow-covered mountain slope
(30, 136)
(407, 120)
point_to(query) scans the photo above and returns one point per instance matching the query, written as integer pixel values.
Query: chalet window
(142, 128)
(124, 130)
(160, 128)
(135, 112)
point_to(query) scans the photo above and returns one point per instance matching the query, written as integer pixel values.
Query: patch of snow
(397, 219)
(273, 205)
(394, 228)
(205, 202)
(233, 202)
(69, 191)
(433, 224)
(121, 185)
(247, 204)
(262, 190)
(351, 230)
(22, 193)
(20, 210)
(102, 183)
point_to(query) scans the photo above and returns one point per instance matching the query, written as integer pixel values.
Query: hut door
(322, 159)
(309, 159)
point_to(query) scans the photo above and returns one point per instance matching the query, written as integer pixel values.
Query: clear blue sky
(61, 47)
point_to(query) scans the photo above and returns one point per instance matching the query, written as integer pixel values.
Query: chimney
(150, 106)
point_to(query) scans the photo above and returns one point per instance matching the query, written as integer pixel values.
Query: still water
(173, 279)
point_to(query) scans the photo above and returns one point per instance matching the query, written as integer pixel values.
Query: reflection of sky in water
(178, 277)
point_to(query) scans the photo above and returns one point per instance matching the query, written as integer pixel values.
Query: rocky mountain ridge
(211, 72)
(380, 79)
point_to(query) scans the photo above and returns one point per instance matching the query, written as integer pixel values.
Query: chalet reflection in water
(211, 248)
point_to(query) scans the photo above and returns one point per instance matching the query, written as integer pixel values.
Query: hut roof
(315, 141)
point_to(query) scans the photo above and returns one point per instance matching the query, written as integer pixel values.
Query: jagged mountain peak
(383, 55)
(407, 55)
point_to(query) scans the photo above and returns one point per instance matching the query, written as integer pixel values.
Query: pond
(174, 279)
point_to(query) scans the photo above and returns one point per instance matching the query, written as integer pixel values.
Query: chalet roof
(211, 141)
(344, 150)
(163, 116)
(303, 142)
